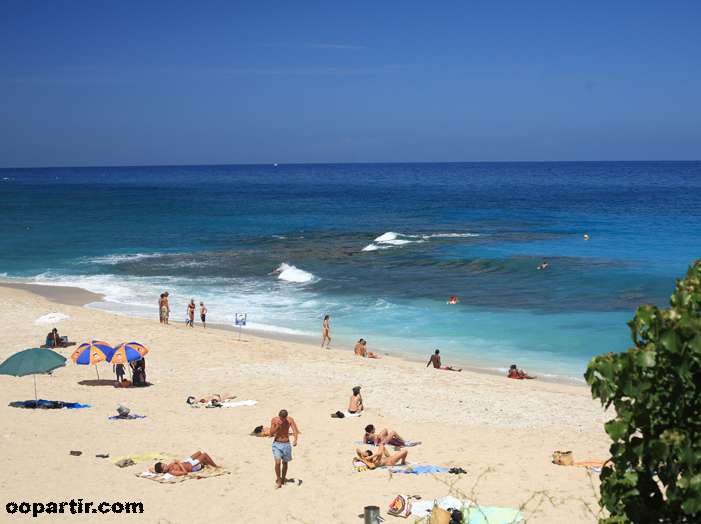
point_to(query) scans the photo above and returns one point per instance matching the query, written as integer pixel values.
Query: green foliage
(655, 388)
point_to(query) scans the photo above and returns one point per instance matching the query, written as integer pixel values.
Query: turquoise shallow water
(379, 247)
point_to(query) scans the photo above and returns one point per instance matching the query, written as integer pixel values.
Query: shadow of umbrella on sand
(32, 361)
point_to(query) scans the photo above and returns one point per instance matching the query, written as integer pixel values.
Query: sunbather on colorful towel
(382, 457)
(383, 437)
(195, 463)
(208, 400)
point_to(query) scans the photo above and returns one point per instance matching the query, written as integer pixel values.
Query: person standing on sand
(165, 309)
(160, 308)
(282, 450)
(191, 312)
(327, 332)
(203, 315)
(436, 361)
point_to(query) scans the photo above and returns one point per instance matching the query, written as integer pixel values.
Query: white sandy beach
(489, 425)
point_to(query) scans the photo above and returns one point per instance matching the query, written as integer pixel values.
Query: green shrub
(655, 388)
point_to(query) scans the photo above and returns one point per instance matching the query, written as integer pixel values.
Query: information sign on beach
(240, 321)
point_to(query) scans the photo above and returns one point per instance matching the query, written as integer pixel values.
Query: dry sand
(501, 431)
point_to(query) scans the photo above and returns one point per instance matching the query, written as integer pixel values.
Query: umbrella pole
(36, 399)
(98, 373)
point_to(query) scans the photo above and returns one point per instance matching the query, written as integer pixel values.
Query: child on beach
(203, 315)
(119, 370)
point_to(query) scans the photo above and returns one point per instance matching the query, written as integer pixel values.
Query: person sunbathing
(383, 437)
(193, 464)
(382, 457)
(514, 372)
(208, 400)
(356, 401)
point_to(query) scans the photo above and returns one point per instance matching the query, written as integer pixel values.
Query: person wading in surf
(327, 333)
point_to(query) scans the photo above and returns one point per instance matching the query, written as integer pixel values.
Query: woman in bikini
(382, 457)
(327, 332)
(380, 438)
(191, 312)
(365, 353)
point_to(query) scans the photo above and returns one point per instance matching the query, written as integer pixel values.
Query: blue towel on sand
(418, 470)
(128, 417)
(67, 405)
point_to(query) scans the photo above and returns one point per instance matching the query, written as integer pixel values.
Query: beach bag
(563, 458)
(400, 507)
(125, 384)
(439, 516)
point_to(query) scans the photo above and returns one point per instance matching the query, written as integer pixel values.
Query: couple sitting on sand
(518, 373)
(382, 457)
(361, 350)
(215, 400)
(193, 464)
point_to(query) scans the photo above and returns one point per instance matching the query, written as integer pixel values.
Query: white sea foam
(293, 274)
(371, 247)
(451, 235)
(118, 259)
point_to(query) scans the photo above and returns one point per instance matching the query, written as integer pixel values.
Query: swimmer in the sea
(453, 300)
(545, 264)
(274, 272)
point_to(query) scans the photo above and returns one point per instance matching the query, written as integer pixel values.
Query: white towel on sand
(162, 475)
(236, 404)
(349, 414)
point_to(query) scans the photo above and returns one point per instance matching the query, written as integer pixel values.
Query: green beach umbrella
(32, 362)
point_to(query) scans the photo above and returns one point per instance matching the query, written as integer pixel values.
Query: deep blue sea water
(379, 247)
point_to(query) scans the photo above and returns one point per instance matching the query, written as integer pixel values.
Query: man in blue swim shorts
(282, 449)
(190, 465)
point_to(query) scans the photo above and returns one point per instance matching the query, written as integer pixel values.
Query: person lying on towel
(383, 437)
(382, 457)
(193, 464)
(208, 400)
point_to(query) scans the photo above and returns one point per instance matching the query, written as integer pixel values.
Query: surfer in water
(545, 264)
(276, 271)
(453, 300)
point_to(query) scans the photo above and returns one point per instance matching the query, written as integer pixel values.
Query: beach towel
(237, 404)
(48, 404)
(128, 417)
(425, 507)
(140, 458)
(407, 444)
(418, 470)
(347, 414)
(590, 464)
(166, 478)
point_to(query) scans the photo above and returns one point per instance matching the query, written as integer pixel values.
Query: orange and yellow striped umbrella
(128, 352)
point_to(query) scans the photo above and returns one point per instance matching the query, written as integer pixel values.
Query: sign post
(240, 321)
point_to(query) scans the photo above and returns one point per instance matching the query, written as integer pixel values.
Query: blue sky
(159, 83)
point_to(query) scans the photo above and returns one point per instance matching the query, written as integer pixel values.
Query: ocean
(378, 247)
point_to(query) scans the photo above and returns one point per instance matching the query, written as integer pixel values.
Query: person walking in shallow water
(327, 332)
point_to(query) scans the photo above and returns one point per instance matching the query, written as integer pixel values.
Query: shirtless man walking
(160, 307)
(282, 450)
(165, 309)
(436, 361)
(327, 333)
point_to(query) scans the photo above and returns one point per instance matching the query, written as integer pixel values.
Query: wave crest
(292, 274)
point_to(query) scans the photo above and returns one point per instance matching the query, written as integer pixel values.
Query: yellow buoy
(586, 237)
